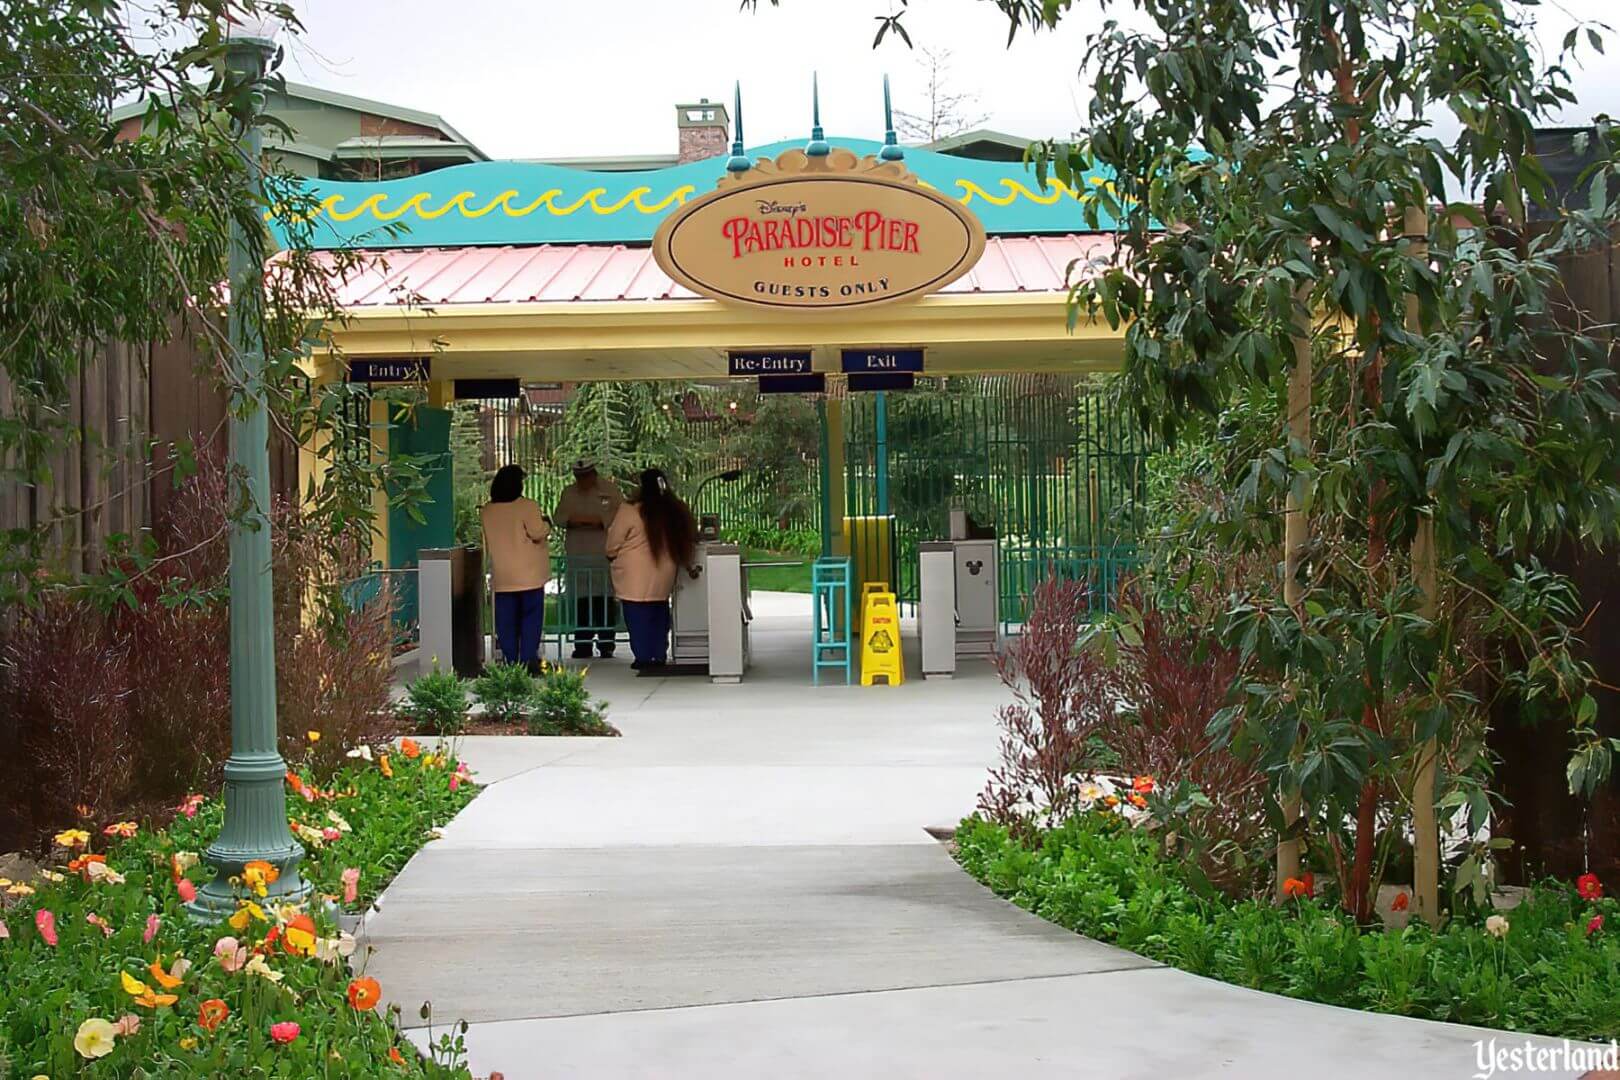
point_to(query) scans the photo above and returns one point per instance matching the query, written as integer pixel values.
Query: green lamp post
(255, 796)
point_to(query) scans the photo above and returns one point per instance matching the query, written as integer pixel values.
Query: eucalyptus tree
(1324, 205)
(110, 234)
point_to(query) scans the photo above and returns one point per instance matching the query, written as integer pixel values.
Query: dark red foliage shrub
(64, 725)
(1169, 684)
(1060, 698)
(128, 710)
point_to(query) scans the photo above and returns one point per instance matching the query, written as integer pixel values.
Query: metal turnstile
(710, 614)
(958, 598)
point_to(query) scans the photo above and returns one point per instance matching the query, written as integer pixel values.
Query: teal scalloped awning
(514, 202)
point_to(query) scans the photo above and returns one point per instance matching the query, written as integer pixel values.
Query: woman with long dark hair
(515, 535)
(650, 539)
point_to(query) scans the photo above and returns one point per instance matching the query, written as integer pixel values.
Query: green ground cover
(102, 973)
(794, 578)
(1550, 965)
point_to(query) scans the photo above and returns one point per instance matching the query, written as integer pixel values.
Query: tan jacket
(636, 574)
(599, 505)
(515, 545)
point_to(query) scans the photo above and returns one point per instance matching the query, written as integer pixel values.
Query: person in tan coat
(650, 539)
(515, 535)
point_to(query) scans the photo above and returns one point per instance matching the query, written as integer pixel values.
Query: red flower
(1594, 926)
(1400, 902)
(1589, 887)
(1142, 785)
(1297, 889)
(187, 891)
(284, 1032)
(212, 1013)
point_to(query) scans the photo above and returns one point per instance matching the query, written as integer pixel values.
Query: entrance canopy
(581, 312)
(539, 272)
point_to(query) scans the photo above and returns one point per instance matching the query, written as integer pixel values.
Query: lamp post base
(255, 830)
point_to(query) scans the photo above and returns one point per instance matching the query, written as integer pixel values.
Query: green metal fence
(1044, 460)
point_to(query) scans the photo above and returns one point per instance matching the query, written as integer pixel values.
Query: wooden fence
(111, 470)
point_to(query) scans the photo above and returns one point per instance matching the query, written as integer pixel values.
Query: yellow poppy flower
(246, 912)
(72, 838)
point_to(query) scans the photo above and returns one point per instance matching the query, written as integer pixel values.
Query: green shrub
(437, 703)
(1556, 971)
(563, 706)
(506, 691)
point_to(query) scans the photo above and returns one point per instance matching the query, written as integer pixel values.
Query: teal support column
(880, 426)
(255, 792)
(825, 459)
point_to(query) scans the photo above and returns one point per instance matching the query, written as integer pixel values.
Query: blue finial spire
(891, 143)
(817, 146)
(738, 162)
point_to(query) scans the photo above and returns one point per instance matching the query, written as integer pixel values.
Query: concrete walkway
(742, 887)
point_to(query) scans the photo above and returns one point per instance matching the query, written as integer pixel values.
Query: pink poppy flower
(351, 884)
(188, 805)
(232, 954)
(330, 834)
(284, 1032)
(5, 933)
(1594, 926)
(152, 924)
(187, 891)
(455, 781)
(45, 922)
(128, 1024)
(99, 923)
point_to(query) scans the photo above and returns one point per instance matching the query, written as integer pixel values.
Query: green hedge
(1548, 974)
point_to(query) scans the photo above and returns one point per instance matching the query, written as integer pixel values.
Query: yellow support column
(378, 433)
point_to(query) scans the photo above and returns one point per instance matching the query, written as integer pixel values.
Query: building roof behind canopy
(529, 203)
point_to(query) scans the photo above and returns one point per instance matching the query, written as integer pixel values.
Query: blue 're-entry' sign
(775, 362)
(410, 370)
(872, 361)
(813, 383)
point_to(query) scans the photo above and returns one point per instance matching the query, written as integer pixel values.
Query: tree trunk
(1296, 535)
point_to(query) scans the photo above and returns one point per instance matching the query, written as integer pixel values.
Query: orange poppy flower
(1400, 903)
(1142, 785)
(79, 864)
(364, 993)
(387, 769)
(410, 748)
(212, 1013)
(299, 936)
(1296, 888)
(394, 1056)
(163, 978)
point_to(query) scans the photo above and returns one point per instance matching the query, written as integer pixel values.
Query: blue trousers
(648, 623)
(519, 620)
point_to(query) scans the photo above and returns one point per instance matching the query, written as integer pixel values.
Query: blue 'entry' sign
(873, 361)
(410, 370)
(774, 362)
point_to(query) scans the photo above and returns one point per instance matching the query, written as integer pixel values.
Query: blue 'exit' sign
(870, 361)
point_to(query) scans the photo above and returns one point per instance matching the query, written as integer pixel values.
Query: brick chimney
(704, 130)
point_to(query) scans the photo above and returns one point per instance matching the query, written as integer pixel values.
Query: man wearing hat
(585, 509)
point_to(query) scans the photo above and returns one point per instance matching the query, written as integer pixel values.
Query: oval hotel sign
(831, 232)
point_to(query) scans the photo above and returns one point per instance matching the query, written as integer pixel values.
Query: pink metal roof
(593, 273)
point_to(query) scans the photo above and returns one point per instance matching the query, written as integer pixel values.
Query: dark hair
(507, 485)
(671, 529)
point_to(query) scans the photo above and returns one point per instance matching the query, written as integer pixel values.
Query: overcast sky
(573, 78)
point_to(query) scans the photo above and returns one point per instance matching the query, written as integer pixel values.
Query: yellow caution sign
(880, 638)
